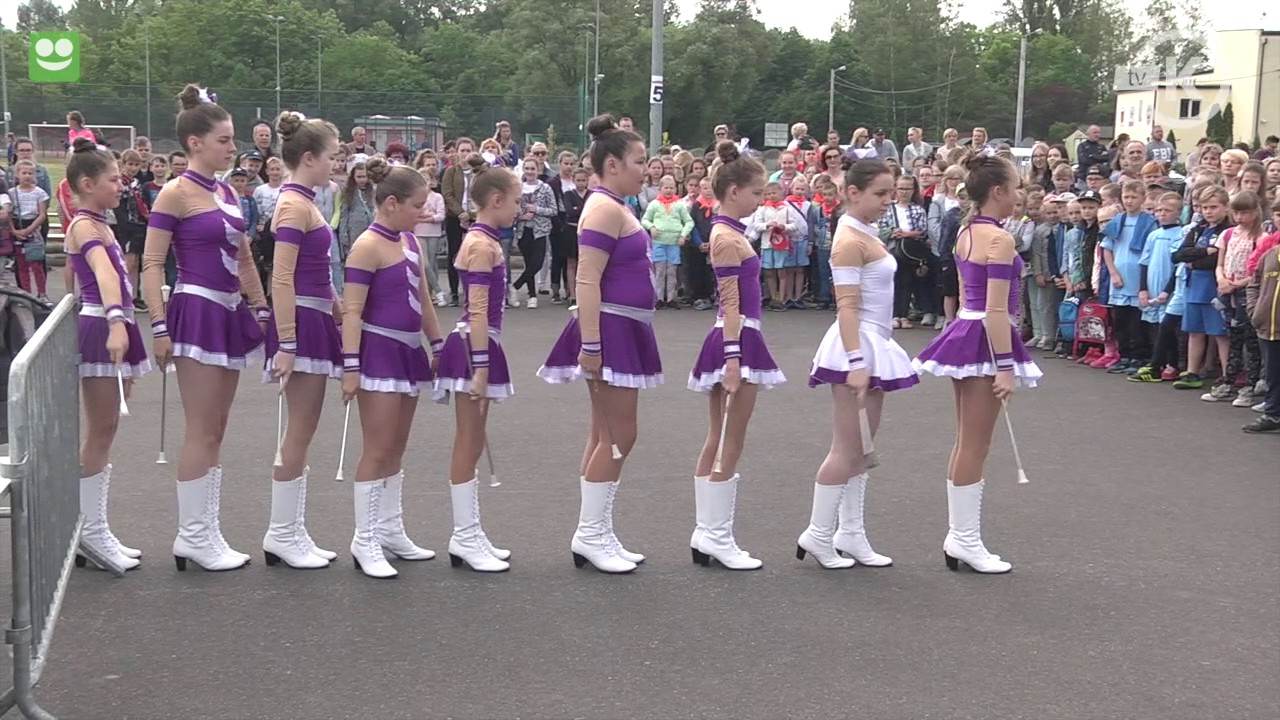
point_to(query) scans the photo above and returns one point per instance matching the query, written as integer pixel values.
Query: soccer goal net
(51, 140)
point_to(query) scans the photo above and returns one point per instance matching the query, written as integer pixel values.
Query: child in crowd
(798, 261)
(1111, 196)
(1264, 266)
(826, 197)
(1038, 289)
(574, 198)
(698, 272)
(1059, 243)
(1157, 284)
(1235, 246)
(1152, 200)
(1062, 179)
(1022, 226)
(669, 224)
(1072, 246)
(1125, 237)
(159, 168)
(430, 233)
(131, 220)
(30, 206)
(772, 226)
(177, 163)
(1202, 319)
(265, 197)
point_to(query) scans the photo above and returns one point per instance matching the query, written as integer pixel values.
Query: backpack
(1068, 312)
(1093, 325)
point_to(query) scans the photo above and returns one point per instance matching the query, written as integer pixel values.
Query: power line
(853, 86)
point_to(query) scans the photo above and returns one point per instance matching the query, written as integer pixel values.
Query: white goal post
(51, 139)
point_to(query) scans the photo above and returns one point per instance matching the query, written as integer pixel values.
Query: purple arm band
(999, 271)
(591, 348)
(91, 244)
(437, 345)
(358, 276)
(290, 235)
(159, 329)
(162, 221)
(598, 240)
(476, 277)
(1004, 361)
(728, 272)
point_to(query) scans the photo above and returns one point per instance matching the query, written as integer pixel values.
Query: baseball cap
(879, 131)
(238, 172)
(1097, 170)
(252, 155)
(1065, 197)
(1090, 196)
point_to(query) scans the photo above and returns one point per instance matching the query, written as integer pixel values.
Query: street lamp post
(1022, 81)
(595, 102)
(277, 20)
(831, 97)
(146, 39)
(319, 76)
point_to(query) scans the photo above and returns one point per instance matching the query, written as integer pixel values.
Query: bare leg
(385, 419)
(772, 279)
(102, 418)
(571, 266)
(978, 410)
(846, 457)
(1224, 350)
(950, 305)
(305, 395)
(468, 439)
(1195, 352)
(619, 406)
(207, 393)
(740, 410)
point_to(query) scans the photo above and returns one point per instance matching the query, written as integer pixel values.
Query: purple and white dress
(963, 350)
(317, 345)
(391, 357)
(95, 320)
(207, 319)
(888, 365)
(453, 374)
(628, 347)
(757, 366)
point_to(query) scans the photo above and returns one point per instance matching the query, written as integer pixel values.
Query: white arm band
(847, 275)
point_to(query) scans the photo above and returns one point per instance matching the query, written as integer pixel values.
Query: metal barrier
(43, 471)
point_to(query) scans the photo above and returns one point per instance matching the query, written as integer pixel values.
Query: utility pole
(1022, 81)
(146, 39)
(655, 80)
(831, 98)
(278, 20)
(4, 83)
(595, 101)
(319, 76)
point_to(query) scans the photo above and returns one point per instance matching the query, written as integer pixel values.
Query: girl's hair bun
(727, 151)
(601, 124)
(377, 169)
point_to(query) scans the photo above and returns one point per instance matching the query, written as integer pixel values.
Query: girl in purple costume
(733, 364)
(109, 342)
(611, 339)
(209, 329)
(989, 269)
(860, 360)
(303, 347)
(386, 310)
(473, 363)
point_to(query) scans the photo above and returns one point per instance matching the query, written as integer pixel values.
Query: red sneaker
(1107, 361)
(1170, 374)
(1090, 355)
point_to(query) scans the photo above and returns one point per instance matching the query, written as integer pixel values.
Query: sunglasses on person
(540, 153)
(831, 156)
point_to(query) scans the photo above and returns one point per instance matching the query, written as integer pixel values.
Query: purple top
(495, 279)
(748, 275)
(393, 300)
(626, 277)
(206, 243)
(89, 291)
(311, 271)
(974, 276)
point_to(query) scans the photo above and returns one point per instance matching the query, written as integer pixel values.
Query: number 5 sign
(655, 89)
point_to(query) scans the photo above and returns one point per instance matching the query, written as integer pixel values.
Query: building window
(1188, 108)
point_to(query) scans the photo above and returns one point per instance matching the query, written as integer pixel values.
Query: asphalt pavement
(1145, 585)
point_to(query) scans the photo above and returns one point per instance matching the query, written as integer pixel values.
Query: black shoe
(544, 292)
(140, 304)
(453, 302)
(1264, 424)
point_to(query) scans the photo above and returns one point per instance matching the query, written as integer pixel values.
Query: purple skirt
(319, 345)
(453, 374)
(629, 354)
(94, 359)
(388, 365)
(757, 366)
(209, 333)
(961, 351)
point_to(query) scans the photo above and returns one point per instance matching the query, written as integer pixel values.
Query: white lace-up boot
(199, 530)
(366, 553)
(302, 529)
(97, 544)
(593, 542)
(390, 527)
(816, 539)
(125, 549)
(717, 541)
(625, 554)
(500, 553)
(851, 539)
(964, 540)
(467, 545)
(699, 512)
(286, 539)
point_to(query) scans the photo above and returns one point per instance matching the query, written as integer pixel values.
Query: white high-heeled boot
(851, 538)
(467, 544)
(625, 554)
(592, 541)
(366, 552)
(500, 553)
(717, 541)
(199, 531)
(964, 540)
(286, 538)
(106, 485)
(699, 513)
(816, 539)
(97, 544)
(306, 536)
(390, 528)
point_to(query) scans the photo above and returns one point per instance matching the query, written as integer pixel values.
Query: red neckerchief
(706, 204)
(828, 204)
(667, 201)
(773, 203)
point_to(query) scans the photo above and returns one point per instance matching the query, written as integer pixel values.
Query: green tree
(1220, 126)
(40, 15)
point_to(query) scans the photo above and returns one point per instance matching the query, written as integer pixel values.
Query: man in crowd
(626, 123)
(915, 148)
(261, 135)
(1159, 150)
(884, 147)
(1091, 152)
(360, 142)
(978, 139)
(142, 144)
(455, 186)
(1270, 148)
(1132, 157)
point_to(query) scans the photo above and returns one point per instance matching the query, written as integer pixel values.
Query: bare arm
(164, 217)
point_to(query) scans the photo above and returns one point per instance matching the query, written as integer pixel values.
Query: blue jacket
(1146, 223)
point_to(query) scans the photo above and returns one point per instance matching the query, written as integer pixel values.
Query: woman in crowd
(533, 228)
(509, 152)
(562, 236)
(207, 328)
(1039, 172)
(611, 340)
(386, 311)
(907, 227)
(76, 129)
(831, 164)
(355, 211)
(981, 352)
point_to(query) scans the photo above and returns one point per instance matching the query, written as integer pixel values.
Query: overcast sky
(817, 15)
